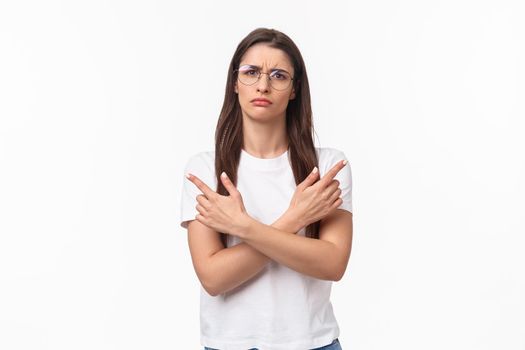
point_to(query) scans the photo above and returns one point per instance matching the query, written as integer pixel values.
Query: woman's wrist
(243, 225)
(288, 222)
(292, 221)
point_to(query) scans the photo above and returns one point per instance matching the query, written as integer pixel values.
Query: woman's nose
(263, 83)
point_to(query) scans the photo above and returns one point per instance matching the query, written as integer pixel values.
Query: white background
(102, 103)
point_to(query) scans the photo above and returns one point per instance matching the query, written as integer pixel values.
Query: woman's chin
(262, 113)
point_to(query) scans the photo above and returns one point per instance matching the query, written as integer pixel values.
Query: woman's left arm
(324, 258)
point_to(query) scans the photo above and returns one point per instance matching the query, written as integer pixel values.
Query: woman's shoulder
(329, 154)
(328, 157)
(203, 160)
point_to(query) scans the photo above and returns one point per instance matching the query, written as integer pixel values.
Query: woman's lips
(261, 103)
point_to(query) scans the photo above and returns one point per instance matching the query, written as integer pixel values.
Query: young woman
(268, 242)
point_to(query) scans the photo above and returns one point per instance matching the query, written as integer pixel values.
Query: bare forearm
(230, 267)
(312, 257)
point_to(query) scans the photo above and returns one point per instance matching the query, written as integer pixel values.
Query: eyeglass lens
(279, 79)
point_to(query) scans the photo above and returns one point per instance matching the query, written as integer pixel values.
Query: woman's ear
(235, 88)
(292, 96)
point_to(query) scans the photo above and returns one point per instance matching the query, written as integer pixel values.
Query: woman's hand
(312, 202)
(221, 213)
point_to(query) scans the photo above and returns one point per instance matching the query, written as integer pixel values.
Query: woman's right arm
(221, 269)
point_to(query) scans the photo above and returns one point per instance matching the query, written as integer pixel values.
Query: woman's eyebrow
(258, 67)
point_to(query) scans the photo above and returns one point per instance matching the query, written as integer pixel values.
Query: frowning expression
(266, 97)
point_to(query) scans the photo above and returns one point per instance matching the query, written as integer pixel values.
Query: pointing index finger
(330, 174)
(200, 185)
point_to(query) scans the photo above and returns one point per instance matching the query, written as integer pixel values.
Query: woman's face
(267, 59)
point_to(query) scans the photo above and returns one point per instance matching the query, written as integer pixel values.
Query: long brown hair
(299, 123)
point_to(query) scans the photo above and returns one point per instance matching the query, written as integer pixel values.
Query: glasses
(279, 78)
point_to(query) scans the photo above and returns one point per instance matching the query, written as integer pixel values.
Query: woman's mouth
(261, 102)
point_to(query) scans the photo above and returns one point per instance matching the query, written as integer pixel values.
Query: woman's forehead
(264, 56)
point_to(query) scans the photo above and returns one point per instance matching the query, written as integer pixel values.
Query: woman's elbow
(208, 285)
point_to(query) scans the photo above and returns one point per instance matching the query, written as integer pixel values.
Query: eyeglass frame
(261, 73)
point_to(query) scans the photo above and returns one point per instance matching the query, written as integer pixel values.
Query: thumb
(228, 184)
(310, 179)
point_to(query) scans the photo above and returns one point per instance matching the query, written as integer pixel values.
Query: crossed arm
(324, 258)
(221, 269)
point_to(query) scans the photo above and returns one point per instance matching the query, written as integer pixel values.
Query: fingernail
(188, 175)
(344, 162)
(314, 171)
(223, 174)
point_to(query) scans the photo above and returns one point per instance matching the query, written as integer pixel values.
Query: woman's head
(268, 49)
(275, 49)
(264, 72)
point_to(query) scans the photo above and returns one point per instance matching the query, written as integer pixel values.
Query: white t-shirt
(279, 308)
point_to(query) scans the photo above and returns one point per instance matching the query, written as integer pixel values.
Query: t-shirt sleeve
(202, 167)
(344, 176)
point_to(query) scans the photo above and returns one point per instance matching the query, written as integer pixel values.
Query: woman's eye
(278, 76)
(250, 72)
